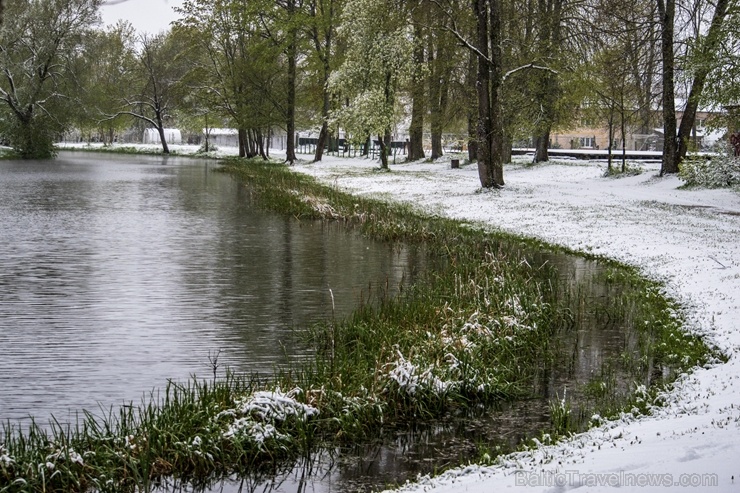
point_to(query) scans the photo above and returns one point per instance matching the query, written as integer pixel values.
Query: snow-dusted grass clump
(257, 415)
(722, 170)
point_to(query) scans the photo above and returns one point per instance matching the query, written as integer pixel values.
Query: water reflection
(119, 273)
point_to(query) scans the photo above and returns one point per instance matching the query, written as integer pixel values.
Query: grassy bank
(480, 329)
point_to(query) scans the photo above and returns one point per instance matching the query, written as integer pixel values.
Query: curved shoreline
(687, 239)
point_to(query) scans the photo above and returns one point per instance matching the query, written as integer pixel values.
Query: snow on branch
(455, 32)
(532, 66)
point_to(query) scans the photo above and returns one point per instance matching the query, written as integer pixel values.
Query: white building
(171, 135)
(229, 137)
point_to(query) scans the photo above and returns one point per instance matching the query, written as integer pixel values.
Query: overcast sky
(149, 16)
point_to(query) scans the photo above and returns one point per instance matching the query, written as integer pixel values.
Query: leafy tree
(703, 43)
(103, 62)
(239, 71)
(379, 61)
(704, 57)
(442, 65)
(618, 49)
(489, 84)
(721, 87)
(154, 83)
(324, 18)
(487, 61)
(417, 90)
(280, 21)
(39, 40)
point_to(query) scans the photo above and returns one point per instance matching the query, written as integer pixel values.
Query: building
(591, 136)
(171, 135)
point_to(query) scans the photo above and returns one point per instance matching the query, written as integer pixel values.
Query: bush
(32, 140)
(720, 171)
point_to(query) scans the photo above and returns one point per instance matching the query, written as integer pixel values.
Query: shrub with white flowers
(722, 170)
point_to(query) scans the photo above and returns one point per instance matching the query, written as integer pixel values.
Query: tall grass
(478, 329)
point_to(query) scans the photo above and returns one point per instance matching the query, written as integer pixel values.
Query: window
(587, 141)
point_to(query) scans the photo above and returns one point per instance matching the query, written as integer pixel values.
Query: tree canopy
(491, 72)
(39, 45)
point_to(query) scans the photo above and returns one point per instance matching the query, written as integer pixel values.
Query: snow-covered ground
(688, 239)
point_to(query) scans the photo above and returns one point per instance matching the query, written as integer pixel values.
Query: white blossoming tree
(378, 62)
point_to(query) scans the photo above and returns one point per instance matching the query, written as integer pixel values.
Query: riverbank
(687, 239)
(480, 328)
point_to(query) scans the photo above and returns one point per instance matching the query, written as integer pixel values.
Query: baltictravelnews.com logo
(616, 479)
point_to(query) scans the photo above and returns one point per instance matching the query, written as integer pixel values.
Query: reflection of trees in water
(269, 274)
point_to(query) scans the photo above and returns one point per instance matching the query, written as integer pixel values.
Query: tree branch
(528, 66)
(459, 36)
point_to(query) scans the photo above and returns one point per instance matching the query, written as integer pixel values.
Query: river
(120, 272)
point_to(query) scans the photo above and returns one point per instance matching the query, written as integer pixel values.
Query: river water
(118, 273)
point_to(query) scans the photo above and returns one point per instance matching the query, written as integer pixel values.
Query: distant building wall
(171, 135)
(229, 137)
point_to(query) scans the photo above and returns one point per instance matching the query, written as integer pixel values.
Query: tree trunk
(416, 128)
(497, 126)
(541, 143)
(666, 11)
(290, 116)
(242, 134)
(326, 106)
(610, 131)
(435, 110)
(472, 114)
(623, 131)
(438, 91)
(418, 106)
(506, 151)
(484, 102)
(383, 152)
(163, 139)
(472, 138)
(549, 44)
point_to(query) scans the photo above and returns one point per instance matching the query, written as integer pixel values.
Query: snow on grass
(411, 378)
(257, 415)
(275, 405)
(6, 461)
(64, 454)
(687, 239)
